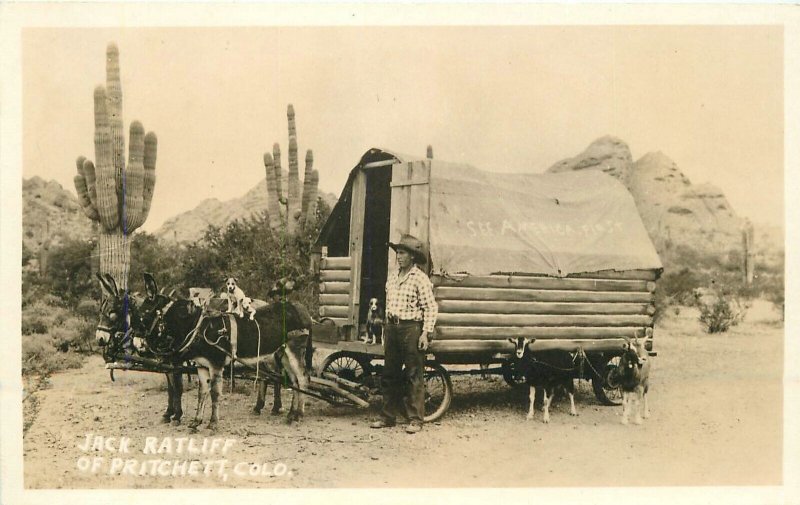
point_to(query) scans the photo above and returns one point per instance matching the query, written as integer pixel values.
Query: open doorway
(374, 259)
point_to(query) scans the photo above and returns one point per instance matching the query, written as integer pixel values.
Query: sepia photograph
(387, 249)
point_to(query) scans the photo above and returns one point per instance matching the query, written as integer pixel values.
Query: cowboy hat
(413, 245)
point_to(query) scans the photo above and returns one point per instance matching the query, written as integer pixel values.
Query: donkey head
(118, 317)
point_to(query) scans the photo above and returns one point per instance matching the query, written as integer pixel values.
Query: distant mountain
(189, 226)
(50, 214)
(674, 211)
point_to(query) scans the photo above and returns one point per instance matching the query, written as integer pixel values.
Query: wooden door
(410, 203)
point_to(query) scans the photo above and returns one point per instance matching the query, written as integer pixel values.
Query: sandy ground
(716, 404)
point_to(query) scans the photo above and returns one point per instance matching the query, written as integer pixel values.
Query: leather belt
(396, 320)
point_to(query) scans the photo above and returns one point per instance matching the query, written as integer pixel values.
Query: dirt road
(716, 420)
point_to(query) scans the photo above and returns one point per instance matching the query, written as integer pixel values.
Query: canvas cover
(554, 224)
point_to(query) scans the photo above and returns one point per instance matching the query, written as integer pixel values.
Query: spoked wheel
(438, 391)
(510, 375)
(604, 388)
(347, 365)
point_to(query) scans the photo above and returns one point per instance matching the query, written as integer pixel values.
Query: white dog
(238, 303)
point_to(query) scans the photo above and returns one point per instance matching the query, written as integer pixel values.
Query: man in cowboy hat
(410, 317)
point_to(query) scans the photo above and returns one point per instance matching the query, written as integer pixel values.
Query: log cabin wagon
(562, 259)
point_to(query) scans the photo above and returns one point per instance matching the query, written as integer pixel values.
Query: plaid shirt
(412, 298)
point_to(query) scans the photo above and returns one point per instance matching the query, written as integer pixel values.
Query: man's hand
(423, 341)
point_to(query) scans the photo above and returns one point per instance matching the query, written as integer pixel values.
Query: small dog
(238, 303)
(375, 321)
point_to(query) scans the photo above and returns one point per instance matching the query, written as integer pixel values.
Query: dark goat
(547, 370)
(633, 376)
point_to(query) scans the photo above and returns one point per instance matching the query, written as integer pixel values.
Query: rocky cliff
(674, 211)
(50, 214)
(190, 225)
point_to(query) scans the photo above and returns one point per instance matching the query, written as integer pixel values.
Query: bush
(33, 322)
(40, 357)
(719, 316)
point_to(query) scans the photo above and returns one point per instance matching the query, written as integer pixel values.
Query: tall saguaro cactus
(301, 201)
(116, 196)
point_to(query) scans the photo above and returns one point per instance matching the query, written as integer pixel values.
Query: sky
(509, 99)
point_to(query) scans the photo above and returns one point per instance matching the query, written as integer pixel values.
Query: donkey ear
(108, 291)
(112, 284)
(150, 286)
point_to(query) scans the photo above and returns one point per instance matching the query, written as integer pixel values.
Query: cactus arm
(83, 198)
(311, 211)
(134, 180)
(89, 173)
(86, 169)
(294, 204)
(149, 182)
(82, 188)
(273, 206)
(276, 158)
(307, 183)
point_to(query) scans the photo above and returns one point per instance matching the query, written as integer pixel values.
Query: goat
(633, 375)
(547, 370)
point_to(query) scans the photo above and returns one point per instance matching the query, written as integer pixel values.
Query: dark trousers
(403, 389)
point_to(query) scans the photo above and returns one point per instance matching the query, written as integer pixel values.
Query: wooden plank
(489, 307)
(504, 281)
(334, 310)
(504, 332)
(328, 299)
(337, 263)
(357, 212)
(645, 275)
(540, 295)
(334, 287)
(419, 201)
(547, 320)
(335, 275)
(399, 214)
(479, 349)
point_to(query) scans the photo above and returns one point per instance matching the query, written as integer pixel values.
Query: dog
(238, 302)
(375, 322)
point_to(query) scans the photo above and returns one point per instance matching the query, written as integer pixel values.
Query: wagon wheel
(605, 392)
(347, 365)
(510, 375)
(438, 391)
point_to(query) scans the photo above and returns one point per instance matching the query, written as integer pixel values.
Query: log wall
(594, 311)
(335, 289)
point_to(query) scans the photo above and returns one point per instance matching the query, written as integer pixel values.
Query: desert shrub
(33, 322)
(40, 317)
(40, 357)
(69, 273)
(678, 286)
(719, 316)
(88, 309)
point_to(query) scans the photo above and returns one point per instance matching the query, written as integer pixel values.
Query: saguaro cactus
(299, 208)
(116, 196)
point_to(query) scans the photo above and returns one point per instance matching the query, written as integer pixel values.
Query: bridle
(120, 342)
